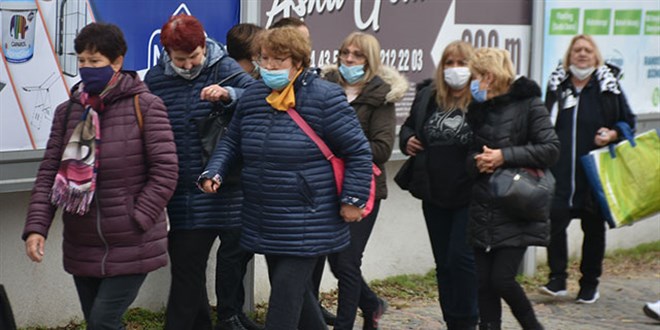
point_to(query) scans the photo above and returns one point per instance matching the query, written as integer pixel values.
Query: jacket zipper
(574, 151)
(100, 232)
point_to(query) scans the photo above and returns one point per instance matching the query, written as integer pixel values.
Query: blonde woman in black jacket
(511, 128)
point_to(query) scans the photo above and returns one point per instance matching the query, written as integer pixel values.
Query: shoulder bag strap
(310, 132)
(138, 112)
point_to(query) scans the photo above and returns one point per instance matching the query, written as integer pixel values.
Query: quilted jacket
(189, 208)
(125, 231)
(518, 124)
(291, 205)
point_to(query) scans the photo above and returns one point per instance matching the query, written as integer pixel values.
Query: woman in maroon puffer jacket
(113, 193)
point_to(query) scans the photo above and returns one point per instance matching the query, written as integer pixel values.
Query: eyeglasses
(263, 61)
(357, 55)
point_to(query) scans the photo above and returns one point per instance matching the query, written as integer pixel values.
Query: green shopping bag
(626, 176)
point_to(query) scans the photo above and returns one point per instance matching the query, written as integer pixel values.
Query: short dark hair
(106, 39)
(288, 21)
(182, 33)
(240, 41)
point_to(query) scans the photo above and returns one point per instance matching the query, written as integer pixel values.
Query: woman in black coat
(511, 128)
(437, 137)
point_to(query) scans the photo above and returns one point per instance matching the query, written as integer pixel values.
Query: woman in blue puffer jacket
(292, 213)
(195, 77)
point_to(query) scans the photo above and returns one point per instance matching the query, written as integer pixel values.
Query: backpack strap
(138, 112)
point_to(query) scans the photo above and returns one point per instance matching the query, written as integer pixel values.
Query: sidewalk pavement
(619, 308)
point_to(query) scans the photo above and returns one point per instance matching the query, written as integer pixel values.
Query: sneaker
(555, 287)
(371, 319)
(587, 295)
(652, 310)
(328, 317)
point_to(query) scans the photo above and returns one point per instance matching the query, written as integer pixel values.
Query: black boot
(232, 323)
(490, 325)
(248, 323)
(529, 322)
(328, 317)
(462, 325)
(372, 319)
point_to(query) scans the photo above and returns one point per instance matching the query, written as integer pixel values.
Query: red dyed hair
(182, 33)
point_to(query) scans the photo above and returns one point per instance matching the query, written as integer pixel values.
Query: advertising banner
(39, 64)
(412, 33)
(627, 34)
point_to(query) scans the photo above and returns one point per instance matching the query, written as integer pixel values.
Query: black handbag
(404, 176)
(525, 193)
(212, 128)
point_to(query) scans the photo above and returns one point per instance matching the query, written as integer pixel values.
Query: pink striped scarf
(75, 182)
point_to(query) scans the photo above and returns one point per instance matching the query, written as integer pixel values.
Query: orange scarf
(285, 99)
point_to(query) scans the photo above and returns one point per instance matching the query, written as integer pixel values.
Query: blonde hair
(567, 57)
(443, 96)
(370, 46)
(285, 41)
(496, 62)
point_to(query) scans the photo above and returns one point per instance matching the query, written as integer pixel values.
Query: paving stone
(619, 308)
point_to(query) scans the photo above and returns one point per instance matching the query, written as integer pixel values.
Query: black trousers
(497, 271)
(455, 269)
(593, 245)
(188, 303)
(353, 291)
(292, 305)
(105, 300)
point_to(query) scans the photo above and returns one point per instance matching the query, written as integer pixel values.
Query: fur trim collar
(607, 76)
(522, 88)
(398, 83)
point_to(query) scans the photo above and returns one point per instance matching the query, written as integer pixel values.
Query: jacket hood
(129, 84)
(214, 52)
(521, 89)
(398, 84)
(607, 75)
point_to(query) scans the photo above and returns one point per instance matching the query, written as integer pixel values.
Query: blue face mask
(478, 94)
(352, 73)
(275, 79)
(95, 79)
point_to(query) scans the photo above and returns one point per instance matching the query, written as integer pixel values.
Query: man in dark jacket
(195, 77)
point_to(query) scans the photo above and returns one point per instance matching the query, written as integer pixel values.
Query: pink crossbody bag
(336, 162)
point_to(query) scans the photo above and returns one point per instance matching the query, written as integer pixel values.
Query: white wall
(44, 294)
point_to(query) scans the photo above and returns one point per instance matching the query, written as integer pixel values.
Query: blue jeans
(345, 265)
(292, 305)
(454, 261)
(105, 300)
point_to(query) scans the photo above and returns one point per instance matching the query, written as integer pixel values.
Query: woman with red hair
(195, 77)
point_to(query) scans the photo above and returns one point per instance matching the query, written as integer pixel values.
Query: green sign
(628, 22)
(597, 21)
(652, 22)
(564, 21)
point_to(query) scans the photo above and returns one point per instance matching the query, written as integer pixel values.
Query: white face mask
(457, 77)
(191, 73)
(581, 74)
